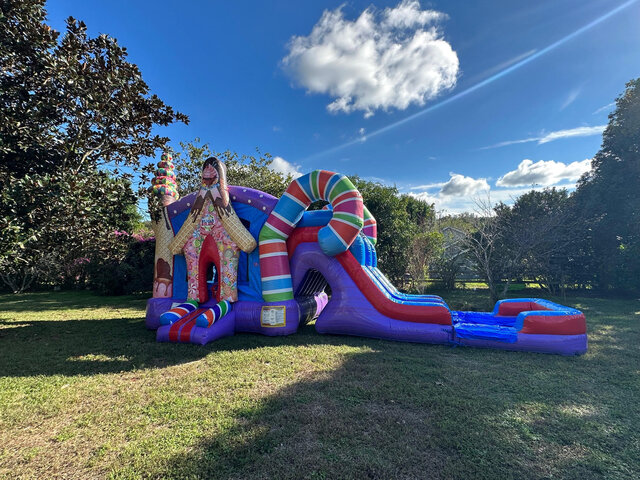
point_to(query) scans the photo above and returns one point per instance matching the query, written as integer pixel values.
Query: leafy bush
(132, 272)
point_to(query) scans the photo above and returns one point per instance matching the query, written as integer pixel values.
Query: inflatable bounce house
(232, 259)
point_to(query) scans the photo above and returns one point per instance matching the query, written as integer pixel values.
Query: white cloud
(573, 95)
(361, 132)
(427, 197)
(544, 173)
(450, 205)
(459, 185)
(463, 194)
(458, 194)
(470, 204)
(552, 136)
(384, 59)
(280, 165)
(407, 14)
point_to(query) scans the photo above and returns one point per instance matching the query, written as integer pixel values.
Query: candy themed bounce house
(231, 259)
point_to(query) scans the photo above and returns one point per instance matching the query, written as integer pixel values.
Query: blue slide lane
(471, 325)
(380, 279)
(437, 301)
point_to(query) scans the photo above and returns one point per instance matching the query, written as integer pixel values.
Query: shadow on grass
(83, 347)
(418, 412)
(355, 422)
(112, 345)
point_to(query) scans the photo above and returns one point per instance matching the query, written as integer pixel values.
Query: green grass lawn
(86, 392)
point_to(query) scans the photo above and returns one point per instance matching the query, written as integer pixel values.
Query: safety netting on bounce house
(233, 259)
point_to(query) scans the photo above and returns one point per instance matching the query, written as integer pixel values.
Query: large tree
(543, 235)
(530, 238)
(70, 102)
(608, 197)
(73, 113)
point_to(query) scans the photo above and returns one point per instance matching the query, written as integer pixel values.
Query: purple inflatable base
(244, 317)
(248, 318)
(155, 308)
(557, 344)
(357, 318)
(337, 320)
(201, 335)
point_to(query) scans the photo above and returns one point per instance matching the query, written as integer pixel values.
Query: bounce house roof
(250, 196)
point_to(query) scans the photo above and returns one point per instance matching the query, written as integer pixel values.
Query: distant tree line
(589, 238)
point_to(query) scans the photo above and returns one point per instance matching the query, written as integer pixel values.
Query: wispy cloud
(501, 66)
(606, 107)
(553, 136)
(573, 95)
(428, 186)
(510, 142)
(572, 132)
(380, 180)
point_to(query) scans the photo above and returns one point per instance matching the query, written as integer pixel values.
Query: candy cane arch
(346, 222)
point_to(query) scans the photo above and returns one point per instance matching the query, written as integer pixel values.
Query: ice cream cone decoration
(166, 189)
(164, 184)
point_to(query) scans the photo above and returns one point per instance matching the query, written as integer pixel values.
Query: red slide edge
(408, 313)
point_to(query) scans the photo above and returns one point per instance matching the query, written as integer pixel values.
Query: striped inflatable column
(274, 259)
(370, 228)
(335, 238)
(211, 315)
(176, 313)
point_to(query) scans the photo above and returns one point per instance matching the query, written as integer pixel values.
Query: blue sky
(446, 100)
